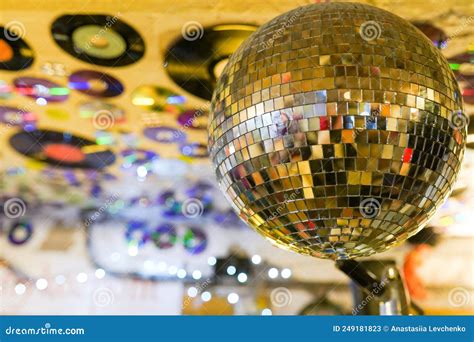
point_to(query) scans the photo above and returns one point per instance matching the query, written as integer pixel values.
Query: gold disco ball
(337, 130)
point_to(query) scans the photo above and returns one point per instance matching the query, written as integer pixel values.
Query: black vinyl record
(62, 149)
(98, 39)
(196, 60)
(15, 54)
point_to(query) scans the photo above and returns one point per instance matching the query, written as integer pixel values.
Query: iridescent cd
(98, 39)
(158, 99)
(5, 91)
(194, 150)
(165, 134)
(15, 54)
(435, 34)
(164, 236)
(17, 117)
(137, 157)
(193, 118)
(95, 83)
(195, 240)
(41, 89)
(89, 109)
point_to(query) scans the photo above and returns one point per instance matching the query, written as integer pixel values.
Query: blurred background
(109, 203)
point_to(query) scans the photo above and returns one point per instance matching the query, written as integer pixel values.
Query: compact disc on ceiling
(62, 149)
(17, 117)
(15, 54)
(435, 34)
(95, 83)
(39, 88)
(193, 118)
(196, 60)
(98, 39)
(94, 108)
(158, 99)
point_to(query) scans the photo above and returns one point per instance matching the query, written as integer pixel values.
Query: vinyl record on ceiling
(15, 54)
(17, 117)
(196, 60)
(62, 149)
(98, 39)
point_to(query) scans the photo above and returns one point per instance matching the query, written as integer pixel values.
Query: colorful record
(137, 234)
(20, 233)
(137, 157)
(95, 83)
(89, 109)
(62, 149)
(164, 236)
(193, 118)
(158, 99)
(15, 54)
(196, 60)
(39, 88)
(98, 39)
(165, 134)
(195, 240)
(17, 117)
